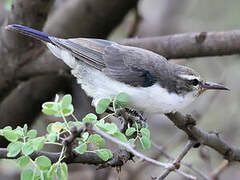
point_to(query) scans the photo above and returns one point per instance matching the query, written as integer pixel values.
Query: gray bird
(105, 68)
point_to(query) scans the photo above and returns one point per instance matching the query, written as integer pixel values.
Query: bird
(105, 68)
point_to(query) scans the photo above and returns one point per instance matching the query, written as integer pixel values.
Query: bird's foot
(128, 117)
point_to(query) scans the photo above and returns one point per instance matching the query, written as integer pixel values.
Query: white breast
(154, 99)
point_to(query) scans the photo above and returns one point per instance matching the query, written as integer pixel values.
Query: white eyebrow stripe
(189, 77)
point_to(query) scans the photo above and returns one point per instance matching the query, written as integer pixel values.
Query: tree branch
(213, 140)
(88, 18)
(15, 48)
(190, 45)
(176, 162)
(188, 165)
(136, 153)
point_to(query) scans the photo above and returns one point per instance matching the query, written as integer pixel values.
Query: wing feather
(116, 61)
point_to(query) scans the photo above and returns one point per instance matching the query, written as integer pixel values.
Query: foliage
(24, 142)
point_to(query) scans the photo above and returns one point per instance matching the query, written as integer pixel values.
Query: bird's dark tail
(29, 32)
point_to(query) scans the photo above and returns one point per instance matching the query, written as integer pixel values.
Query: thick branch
(89, 18)
(16, 49)
(190, 45)
(212, 140)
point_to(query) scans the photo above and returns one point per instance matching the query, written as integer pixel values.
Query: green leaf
(8, 128)
(38, 143)
(145, 132)
(62, 172)
(66, 101)
(52, 170)
(11, 135)
(49, 127)
(14, 148)
(32, 133)
(23, 161)
(110, 128)
(122, 99)
(82, 148)
(19, 131)
(85, 136)
(52, 137)
(57, 127)
(43, 162)
(104, 154)
(78, 123)
(130, 131)
(145, 142)
(50, 112)
(120, 136)
(49, 105)
(96, 139)
(90, 118)
(25, 129)
(44, 176)
(51, 108)
(27, 175)
(102, 105)
(27, 148)
(68, 111)
(131, 141)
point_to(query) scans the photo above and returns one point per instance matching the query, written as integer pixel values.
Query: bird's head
(191, 83)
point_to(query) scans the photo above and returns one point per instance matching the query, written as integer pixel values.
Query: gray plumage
(131, 65)
(104, 69)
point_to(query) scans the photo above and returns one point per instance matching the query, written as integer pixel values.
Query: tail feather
(29, 32)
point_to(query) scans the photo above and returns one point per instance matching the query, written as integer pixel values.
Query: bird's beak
(210, 85)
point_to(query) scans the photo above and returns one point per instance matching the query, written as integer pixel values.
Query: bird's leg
(128, 117)
(136, 116)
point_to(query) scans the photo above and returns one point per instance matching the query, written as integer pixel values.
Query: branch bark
(212, 140)
(191, 45)
(14, 50)
(89, 18)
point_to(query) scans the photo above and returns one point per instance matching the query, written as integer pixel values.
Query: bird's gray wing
(122, 63)
(130, 65)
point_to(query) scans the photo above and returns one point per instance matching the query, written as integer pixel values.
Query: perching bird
(105, 68)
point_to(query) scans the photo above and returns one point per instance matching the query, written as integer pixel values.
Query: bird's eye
(194, 82)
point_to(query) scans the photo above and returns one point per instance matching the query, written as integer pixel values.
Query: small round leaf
(32, 133)
(102, 105)
(145, 132)
(27, 175)
(120, 136)
(23, 161)
(90, 118)
(104, 154)
(43, 162)
(130, 131)
(145, 142)
(14, 148)
(66, 101)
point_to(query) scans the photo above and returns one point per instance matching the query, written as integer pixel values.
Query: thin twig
(176, 162)
(217, 172)
(188, 165)
(136, 153)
